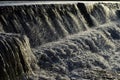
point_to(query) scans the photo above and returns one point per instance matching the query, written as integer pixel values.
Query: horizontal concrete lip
(18, 3)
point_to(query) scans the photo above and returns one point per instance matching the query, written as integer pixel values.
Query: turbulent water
(74, 41)
(16, 58)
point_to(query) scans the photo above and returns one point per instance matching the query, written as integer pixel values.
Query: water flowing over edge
(70, 41)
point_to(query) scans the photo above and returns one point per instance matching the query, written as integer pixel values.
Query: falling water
(67, 41)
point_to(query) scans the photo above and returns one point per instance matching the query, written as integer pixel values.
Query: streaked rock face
(16, 57)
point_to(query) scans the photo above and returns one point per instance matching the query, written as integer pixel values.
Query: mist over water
(67, 41)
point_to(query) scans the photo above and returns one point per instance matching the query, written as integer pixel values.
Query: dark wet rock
(85, 13)
(118, 13)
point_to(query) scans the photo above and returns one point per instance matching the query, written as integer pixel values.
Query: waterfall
(16, 57)
(60, 41)
(39, 22)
